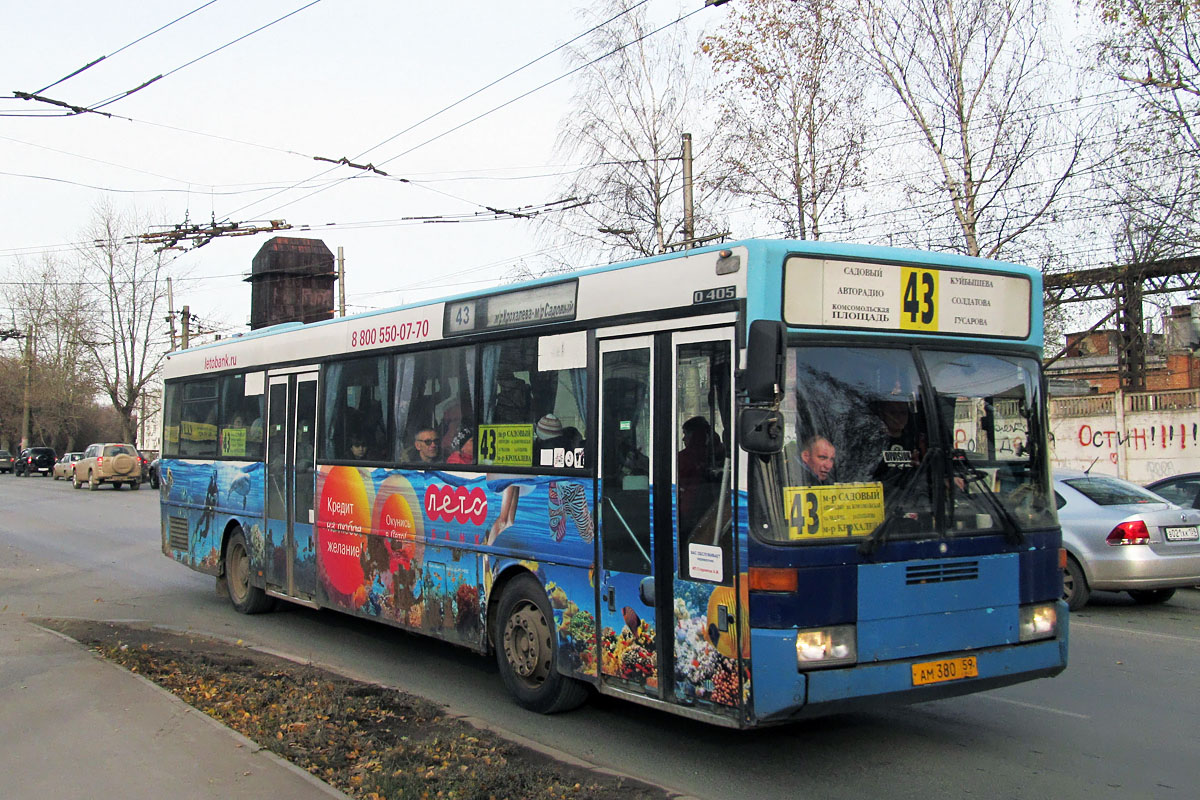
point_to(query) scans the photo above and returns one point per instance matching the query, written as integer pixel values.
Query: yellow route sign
(506, 445)
(833, 512)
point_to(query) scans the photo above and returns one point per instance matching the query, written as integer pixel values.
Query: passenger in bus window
(463, 446)
(358, 448)
(899, 450)
(817, 455)
(514, 403)
(699, 483)
(425, 447)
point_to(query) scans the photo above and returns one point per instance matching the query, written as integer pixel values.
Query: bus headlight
(826, 647)
(1038, 622)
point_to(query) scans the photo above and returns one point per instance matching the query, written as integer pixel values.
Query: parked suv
(35, 461)
(108, 462)
(6, 461)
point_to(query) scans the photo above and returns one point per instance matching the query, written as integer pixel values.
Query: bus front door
(666, 509)
(291, 457)
(631, 553)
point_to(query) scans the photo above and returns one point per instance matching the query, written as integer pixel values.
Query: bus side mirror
(760, 431)
(763, 378)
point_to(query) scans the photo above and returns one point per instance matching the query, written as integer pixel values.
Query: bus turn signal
(773, 579)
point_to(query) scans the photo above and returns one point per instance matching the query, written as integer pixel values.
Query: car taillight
(99, 461)
(1132, 532)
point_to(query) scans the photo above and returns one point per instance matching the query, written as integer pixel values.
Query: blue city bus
(746, 483)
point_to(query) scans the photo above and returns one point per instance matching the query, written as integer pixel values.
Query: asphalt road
(1123, 721)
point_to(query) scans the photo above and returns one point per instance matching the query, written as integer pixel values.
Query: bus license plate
(1182, 534)
(950, 669)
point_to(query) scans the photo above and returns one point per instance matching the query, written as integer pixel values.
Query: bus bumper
(785, 694)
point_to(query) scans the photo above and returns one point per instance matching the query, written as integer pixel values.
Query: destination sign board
(913, 298)
(536, 306)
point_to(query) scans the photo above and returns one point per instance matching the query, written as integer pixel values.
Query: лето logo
(456, 503)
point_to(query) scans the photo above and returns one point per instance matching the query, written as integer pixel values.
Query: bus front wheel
(246, 597)
(526, 651)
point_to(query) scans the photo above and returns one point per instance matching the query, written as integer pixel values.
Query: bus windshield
(903, 443)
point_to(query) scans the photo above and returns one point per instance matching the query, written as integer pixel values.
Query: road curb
(250, 745)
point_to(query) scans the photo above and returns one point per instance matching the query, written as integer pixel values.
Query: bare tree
(632, 104)
(966, 72)
(52, 307)
(792, 118)
(1153, 47)
(129, 340)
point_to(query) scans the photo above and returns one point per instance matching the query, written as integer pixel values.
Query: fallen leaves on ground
(369, 741)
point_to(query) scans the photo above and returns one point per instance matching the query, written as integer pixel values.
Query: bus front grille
(177, 532)
(942, 572)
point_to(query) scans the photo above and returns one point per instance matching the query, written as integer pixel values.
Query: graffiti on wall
(1151, 445)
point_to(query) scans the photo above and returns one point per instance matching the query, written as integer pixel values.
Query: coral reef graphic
(576, 632)
(706, 664)
(630, 654)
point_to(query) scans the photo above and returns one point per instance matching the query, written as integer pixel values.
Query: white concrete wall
(1139, 437)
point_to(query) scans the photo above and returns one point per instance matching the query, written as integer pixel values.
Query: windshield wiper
(896, 508)
(963, 468)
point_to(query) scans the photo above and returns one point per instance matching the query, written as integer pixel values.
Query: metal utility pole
(171, 312)
(187, 324)
(28, 388)
(341, 279)
(689, 224)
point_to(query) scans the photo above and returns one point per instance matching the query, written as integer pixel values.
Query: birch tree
(971, 77)
(792, 122)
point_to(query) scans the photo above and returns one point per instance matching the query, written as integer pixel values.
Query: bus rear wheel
(246, 597)
(527, 650)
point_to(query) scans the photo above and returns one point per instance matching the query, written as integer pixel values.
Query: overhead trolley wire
(160, 29)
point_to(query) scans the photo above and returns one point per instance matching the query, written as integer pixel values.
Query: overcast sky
(231, 134)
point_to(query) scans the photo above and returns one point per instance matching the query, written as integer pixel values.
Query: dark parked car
(35, 461)
(6, 461)
(1182, 490)
(153, 470)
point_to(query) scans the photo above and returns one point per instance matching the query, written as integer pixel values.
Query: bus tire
(527, 651)
(1075, 586)
(245, 596)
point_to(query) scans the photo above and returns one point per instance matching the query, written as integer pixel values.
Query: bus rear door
(291, 456)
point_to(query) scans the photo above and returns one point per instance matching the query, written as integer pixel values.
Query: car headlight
(1038, 621)
(826, 647)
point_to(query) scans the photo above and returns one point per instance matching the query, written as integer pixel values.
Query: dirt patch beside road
(369, 741)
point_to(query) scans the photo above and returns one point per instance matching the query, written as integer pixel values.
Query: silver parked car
(1121, 537)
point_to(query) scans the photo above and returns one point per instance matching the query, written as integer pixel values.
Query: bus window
(241, 420)
(171, 412)
(356, 408)
(198, 419)
(702, 407)
(435, 402)
(532, 417)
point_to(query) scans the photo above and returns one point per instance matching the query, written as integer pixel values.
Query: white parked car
(1121, 537)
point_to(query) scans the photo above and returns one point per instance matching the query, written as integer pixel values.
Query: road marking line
(1035, 706)
(1169, 636)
